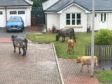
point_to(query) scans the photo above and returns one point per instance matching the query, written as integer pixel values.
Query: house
(15, 8)
(77, 14)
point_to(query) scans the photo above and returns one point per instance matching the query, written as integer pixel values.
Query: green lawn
(104, 77)
(83, 39)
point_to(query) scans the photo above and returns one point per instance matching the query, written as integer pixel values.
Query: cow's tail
(26, 43)
(96, 61)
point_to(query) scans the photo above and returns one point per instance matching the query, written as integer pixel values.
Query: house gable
(75, 7)
(100, 5)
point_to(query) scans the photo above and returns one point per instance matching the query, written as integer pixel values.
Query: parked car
(15, 23)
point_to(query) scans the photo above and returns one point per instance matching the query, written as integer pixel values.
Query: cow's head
(78, 60)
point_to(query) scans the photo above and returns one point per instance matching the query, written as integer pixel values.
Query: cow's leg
(63, 39)
(26, 43)
(72, 49)
(14, 49)
(24, 51)
(81, 68)
(88, 68)
(19, 51)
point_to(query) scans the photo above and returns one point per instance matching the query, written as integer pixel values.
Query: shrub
(103, 37)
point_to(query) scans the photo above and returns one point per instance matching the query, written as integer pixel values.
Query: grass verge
(104, 77)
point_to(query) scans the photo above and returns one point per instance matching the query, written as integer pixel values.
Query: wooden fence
(104, 52)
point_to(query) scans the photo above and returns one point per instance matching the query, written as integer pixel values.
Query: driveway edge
(57, 62)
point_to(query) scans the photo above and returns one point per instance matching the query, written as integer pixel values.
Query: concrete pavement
(38, 67)
(72, 75)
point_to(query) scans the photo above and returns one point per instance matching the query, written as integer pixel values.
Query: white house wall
(109, 21)
(2, 18)
(100, 25)
(28, 16)
(74, 9)
(53, 20)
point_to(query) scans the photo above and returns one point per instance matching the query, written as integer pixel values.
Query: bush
(103, 37)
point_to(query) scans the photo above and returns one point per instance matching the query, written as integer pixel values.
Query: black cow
(19, 42)
(66, 32)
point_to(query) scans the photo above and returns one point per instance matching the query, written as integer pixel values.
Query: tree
(38, 3)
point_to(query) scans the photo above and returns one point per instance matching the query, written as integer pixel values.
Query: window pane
(68, 22)
(104, 16)
(21, 12)
(67, 16)
(78, 16)
(101, 16)
(73, 22)
(73, 16)
(1, 12)
(12, 12)
(78, 22)
(95, 15)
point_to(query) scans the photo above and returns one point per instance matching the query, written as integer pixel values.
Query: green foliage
(37, 3)
(103, 37)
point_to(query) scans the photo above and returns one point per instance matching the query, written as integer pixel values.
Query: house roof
(100, 5)
(14, 3)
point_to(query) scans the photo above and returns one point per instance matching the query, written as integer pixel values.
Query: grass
(41, 38)
(104, 76)
(83, 39)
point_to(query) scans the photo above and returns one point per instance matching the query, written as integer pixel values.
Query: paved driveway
(38, 67)
(72, 75)
(4, 34)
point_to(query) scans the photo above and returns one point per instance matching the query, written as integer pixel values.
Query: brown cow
(86, 60)
(70, 45)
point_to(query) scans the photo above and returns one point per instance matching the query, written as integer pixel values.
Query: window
(78, 19)
(1, 12)
(103, 17)
(73, 19)
(68, 19)
(21, 12)
(13, 12)
(95, 15)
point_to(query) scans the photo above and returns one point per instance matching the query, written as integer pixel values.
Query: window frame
(73, 17)
(68, 19)
(21, 12)
(103, 17)
(1, 12)
(13, 12)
